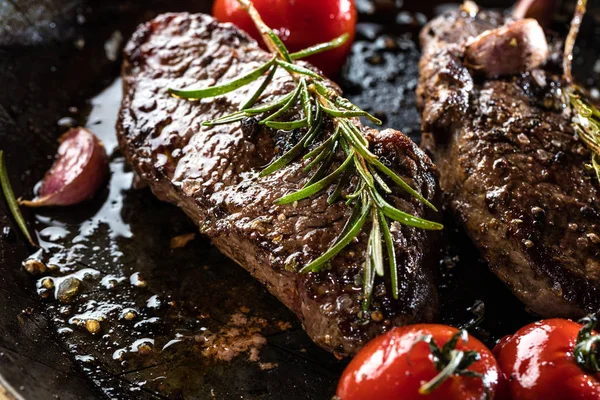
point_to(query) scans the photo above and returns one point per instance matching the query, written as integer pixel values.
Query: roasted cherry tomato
(300, 24)
(424, 361)
(552, 359)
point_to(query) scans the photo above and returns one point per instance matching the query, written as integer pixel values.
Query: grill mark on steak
(212, 174)
(512, 168)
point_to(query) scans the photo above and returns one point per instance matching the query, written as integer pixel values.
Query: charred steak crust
(212, 174)
(512, 169)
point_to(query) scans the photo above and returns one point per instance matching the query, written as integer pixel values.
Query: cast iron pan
(200, 327)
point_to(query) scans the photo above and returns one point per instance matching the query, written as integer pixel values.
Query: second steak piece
(212, 173)
(512, 169)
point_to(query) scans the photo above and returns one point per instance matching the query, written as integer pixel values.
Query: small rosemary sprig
(586, 122)
(586, 117)
(316, 101)
(13, 206)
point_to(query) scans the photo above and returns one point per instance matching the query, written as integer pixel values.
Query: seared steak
(212, 174)
(512, 169)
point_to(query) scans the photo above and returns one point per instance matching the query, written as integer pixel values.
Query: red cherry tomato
(396, 365)
(300, 24)
(539, 362)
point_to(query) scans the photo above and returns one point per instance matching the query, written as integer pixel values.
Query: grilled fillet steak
(212, 174)
(512, 169)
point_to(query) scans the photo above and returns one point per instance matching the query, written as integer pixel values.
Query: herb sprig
(586, 122)
(586, 117)
(317, 101)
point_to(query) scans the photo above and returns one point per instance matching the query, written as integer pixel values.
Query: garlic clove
(80, 169)
(517, 47)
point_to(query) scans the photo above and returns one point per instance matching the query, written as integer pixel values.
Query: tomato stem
(450, 368)
(450, 361)
(587, 350)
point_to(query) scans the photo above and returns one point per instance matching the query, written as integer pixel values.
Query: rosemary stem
(571, 38)
(260, 24)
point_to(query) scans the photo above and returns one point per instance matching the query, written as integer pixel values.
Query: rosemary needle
(226, 88)
(319, 48)
(9, 195)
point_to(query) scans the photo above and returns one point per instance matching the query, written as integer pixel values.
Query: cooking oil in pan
(142, 312)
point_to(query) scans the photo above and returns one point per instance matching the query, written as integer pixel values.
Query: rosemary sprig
(13, 206)
(586, 122)
(586, 117)
(315, 101)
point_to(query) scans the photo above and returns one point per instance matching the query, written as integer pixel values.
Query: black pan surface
(187, 322)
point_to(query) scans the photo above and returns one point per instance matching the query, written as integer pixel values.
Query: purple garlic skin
(80, 169)
(517, 47)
